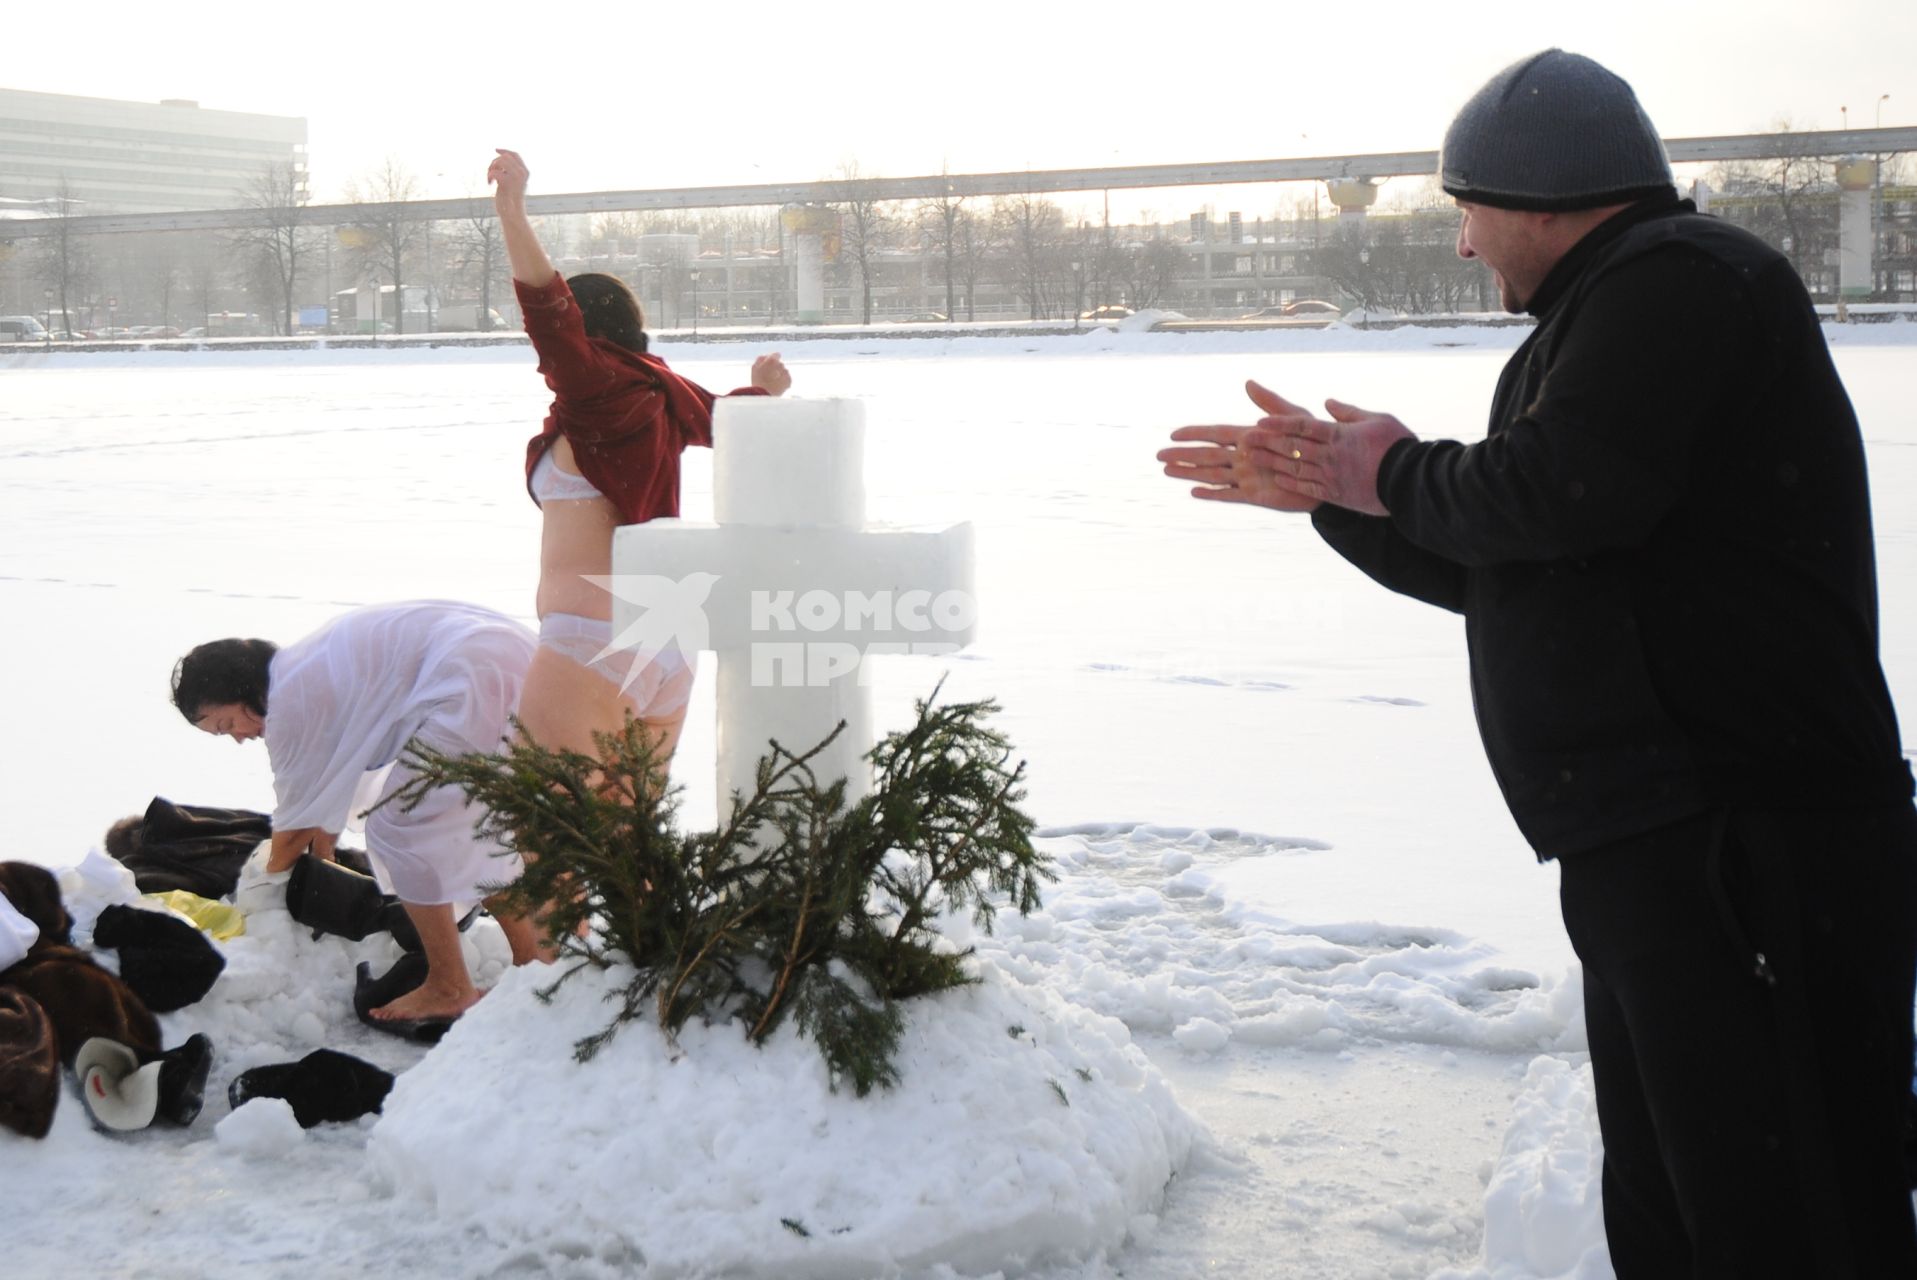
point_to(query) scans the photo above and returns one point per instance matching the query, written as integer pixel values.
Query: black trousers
(1748, 984)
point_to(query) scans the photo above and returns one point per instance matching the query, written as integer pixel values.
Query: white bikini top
(550, 484)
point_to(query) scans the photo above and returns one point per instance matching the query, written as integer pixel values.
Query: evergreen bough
(798, 904)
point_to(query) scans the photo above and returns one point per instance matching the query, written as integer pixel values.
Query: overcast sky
(604, 96)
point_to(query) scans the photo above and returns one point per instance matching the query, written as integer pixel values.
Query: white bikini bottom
(657, 684)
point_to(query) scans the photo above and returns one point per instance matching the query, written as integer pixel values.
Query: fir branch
(797, 903)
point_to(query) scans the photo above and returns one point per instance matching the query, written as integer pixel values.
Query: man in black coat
(1663, 555)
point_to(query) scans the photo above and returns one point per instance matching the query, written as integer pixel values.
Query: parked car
(21, 329)
(926, 317)
(1300, 309)
(468, 317)
(1105, 311)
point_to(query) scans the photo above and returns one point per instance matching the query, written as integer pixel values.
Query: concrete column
(1856, 176)
(815, 240)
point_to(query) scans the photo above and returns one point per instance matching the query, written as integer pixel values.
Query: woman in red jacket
(609, 455)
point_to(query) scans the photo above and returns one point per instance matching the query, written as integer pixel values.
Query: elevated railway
(1751, 146)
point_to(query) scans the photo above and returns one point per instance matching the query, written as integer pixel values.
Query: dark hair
(220, 672)
(609, 310)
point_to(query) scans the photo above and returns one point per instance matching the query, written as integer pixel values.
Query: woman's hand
(288, 845)
(770, 375)
(509, 176)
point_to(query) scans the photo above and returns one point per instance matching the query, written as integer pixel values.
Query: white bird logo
(672, 615)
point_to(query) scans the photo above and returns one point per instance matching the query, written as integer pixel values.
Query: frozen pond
(1163, 664)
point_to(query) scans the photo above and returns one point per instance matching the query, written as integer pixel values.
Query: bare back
(576, 540)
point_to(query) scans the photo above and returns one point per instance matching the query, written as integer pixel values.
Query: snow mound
(1129, 895)
(1142, 321)
(264, 1127)
(1543, 1213)
(1023, 1129)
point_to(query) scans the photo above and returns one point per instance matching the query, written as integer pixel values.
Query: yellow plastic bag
(218, 920)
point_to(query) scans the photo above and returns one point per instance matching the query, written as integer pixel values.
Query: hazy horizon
(769, 94)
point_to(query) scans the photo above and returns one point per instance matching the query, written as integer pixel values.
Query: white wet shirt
(347, 699)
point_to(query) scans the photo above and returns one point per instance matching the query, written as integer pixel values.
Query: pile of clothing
(58, 1007)
(61, 1010)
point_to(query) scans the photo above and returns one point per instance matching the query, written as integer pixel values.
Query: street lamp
(432, 325)
(695, 302)
(1364, 282)
(46, 295)
(1877, 204)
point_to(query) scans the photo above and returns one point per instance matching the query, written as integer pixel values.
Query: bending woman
(345, 702)
(609, 455)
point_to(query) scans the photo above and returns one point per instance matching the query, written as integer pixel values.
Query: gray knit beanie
(1554, 131)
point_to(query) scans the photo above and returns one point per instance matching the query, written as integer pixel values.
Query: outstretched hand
(770, 375)
(1291, 460)
(509, 175)
(1221, 466)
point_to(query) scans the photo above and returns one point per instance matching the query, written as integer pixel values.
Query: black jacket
(1662, 550)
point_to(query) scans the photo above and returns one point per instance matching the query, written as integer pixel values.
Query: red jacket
(628, 416)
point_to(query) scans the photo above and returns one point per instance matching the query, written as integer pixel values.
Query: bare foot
(428, 1002)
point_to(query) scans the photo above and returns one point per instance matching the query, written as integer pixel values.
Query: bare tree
(66, 256)
(205, 263)
(617, 234)
(1402, 261)
(388, 232)
(940, 219)
(866, 227)
(1777, 199)
(1083, 269)
(1148, 271)
(975, 245)
(161, 266)
(1032, 230)
(13, 266)
(279, 241)
(482, 250)
(743, 228)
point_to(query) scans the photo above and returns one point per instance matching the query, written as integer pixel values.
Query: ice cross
(800, 590)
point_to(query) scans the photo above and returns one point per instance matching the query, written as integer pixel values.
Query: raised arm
(571, 367)
(509, 175)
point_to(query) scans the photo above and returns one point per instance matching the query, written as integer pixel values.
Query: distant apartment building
(136, 157)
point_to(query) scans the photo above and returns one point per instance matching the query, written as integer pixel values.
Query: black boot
(168, 963)
(324, 1085)
(331, 899)
(183, 1074)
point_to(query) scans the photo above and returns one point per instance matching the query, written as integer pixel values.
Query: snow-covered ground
(1289, 890)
